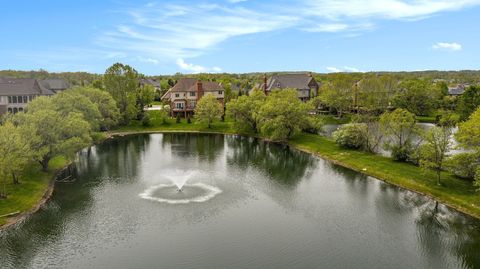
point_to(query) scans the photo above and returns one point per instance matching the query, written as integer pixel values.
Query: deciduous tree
(208, 109)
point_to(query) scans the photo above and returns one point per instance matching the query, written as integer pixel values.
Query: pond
(244, 204)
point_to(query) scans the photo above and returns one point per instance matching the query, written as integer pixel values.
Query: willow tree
(244, 110)
(283, 115)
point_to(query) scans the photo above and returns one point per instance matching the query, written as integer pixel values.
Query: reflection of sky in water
(279, 208)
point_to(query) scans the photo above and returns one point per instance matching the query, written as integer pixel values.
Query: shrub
(351, 135)
(189, 120)
(314, 125)
(464, 165)
(178, 118)
(146, 120)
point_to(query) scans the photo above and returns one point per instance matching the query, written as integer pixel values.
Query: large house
(16, 93)
(184, 96)
(305, 84)
(55, 85)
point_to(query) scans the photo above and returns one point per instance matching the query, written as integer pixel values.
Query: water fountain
(179, 192)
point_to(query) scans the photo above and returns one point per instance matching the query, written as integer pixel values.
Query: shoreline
(12, 221)
(21, 216)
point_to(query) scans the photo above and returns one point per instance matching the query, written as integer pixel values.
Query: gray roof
(458, 90)
(148, 81)
(22, 86)
(55, 84)
(295, 81)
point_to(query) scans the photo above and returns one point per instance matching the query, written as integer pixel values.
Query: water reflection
(279, 208)
(282, 164)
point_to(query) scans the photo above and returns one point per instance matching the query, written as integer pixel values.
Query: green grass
(32, 187)
(426, 119)
(171, 125)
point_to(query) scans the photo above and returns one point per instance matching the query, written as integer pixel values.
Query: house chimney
(199, 89)
(265, 84)
(310, 74)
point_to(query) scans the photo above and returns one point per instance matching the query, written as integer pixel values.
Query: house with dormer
(184, 96)
(305, 84)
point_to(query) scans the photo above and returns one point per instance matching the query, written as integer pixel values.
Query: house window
(9, 99)
(220, 92)
(25, 99)
(30, 98)
(177, 95)
(179, 105)
(20, 109)
(192, 104)
(10, 110)
(14, 99)
(15, 110)
(20, 99)
(192, 93)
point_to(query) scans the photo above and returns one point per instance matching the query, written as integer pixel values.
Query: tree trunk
(15, 179)
(438, 177)
(44, 162)
(3, 194)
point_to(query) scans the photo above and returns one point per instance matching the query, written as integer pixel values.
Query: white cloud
(196, 68)
(165, 32)
(447, 46)
(345, 69)
(333, 69)
(148, 60)
(383, 9)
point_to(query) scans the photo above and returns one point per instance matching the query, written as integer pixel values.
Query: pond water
(244, 204)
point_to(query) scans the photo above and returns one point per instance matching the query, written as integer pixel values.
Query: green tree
(245, 109)
(283, 115)
(433, 151)
(417, 96)
(208, 109)
(121, 82)
(338, 94)
(57, 134)
(15, 153)
(468, 134)
(145, 96)
(107, 107)
(71, 101)
(400, 128)
(468, 102)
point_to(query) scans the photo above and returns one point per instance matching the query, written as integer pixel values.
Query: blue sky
(164, 37)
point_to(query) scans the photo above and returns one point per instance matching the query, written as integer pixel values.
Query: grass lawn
(32, 187)
(426, 119)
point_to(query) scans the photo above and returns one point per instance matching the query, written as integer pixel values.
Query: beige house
(184, 96)
(16, 93)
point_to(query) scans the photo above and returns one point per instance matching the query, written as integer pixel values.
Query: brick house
(184, 96)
